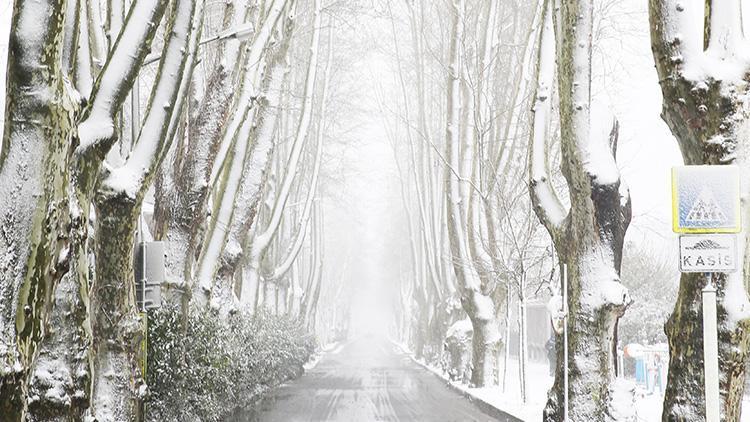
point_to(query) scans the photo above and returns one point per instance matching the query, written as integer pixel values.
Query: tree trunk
(182, 196)
(60, 382)
(39, 118)
(474, 298)
(117, 328)
(708, 113)
(255, 249)
(589, 236)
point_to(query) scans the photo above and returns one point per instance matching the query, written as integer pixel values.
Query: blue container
(640, 371)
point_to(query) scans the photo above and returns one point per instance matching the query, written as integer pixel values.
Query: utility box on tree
(149, 274)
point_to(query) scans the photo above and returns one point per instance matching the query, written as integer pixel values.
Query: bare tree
(257, 245)
(589, 235)
(236, 146)
(475, 297)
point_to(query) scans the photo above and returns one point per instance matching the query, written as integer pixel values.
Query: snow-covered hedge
(206, 368)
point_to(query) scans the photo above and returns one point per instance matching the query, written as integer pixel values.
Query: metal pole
(565, 340)
(142, 246)
(135, 126)
(710, 351)
(524, 349)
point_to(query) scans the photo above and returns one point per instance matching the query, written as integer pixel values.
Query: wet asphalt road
(367, 380)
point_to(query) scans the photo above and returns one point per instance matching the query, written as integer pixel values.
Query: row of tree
(223, 166)
(496, 129)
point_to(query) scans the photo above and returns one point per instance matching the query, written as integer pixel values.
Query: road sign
(708, 253)
(706, 199)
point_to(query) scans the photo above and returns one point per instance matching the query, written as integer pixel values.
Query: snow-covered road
(368, 380)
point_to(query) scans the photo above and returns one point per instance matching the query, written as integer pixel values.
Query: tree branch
(726, 39)
(97, 131)
(299, 237)
(251, 74)
(263, 239)
(133, 178)
(544, 198)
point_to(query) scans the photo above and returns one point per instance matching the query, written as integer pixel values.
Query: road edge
(485, 406)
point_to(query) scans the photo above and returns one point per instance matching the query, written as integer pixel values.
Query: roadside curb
(486, 407)
(497, 413)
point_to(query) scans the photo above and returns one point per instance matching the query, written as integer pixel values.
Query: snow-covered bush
(651, 278)
(457, 357)
(204, 368)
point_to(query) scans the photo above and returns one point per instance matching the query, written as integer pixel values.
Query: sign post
(565, 340)
(710, 351)
(706, 212)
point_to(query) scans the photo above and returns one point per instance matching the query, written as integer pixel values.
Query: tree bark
(40, 115)
(705, 106)
(589, 236)
(117, 327)
(475, 298)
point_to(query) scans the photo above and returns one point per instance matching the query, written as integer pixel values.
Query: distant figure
(653, 380)
(551, 354)
(654, 374)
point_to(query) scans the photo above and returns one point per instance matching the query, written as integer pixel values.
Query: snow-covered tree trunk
(474, 298)
(182, 187)
(226, 175)
(312, 292)
(39, 124)
(589, 236)
(57, 176)
(704, 77)
(259, 244)
(117, 329)
(506, 346)
(255, 174)
(300, 224)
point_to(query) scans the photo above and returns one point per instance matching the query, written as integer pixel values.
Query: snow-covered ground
(647, 406)
(332, 348)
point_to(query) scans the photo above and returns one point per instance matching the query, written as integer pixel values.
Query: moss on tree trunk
(116, 325)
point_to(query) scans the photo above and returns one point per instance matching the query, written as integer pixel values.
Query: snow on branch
(187, 76)
(726, 38)
(96, 34)
(115, 14)
(296, 246)
(84, 80)
(598, 154)
(263, 239)
(69, 37)
(678, 26)
(678, 31)
(244, 178)
(253, 65)
(152, 139)
(119, 74)
(546, 202)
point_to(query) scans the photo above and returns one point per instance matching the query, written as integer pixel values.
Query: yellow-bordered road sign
(706, 199)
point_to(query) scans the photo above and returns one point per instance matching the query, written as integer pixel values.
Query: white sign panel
(706, 199)
(708, 253)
